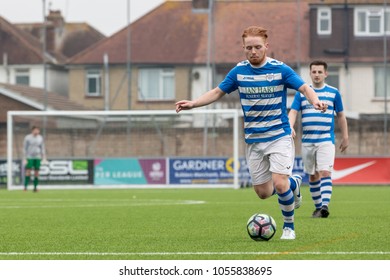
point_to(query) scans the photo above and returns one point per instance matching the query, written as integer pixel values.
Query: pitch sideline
(183, 253)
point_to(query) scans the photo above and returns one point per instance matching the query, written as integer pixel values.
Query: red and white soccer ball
(261, 227)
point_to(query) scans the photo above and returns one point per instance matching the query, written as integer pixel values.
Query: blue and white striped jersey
(263, 95)
(316, 126)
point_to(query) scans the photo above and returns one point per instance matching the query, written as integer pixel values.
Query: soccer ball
(261, 227)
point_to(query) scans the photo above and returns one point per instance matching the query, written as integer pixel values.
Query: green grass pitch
(188, 224)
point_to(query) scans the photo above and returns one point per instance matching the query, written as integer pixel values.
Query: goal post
(131, 149)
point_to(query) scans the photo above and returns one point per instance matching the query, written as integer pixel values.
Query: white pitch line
(183, 253)
(98, 200)
(132, 203)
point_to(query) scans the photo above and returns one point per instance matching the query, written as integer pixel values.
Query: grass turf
(187, 224)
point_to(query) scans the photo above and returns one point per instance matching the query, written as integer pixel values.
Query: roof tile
(173, 33)
(37, 95)
(22, 47)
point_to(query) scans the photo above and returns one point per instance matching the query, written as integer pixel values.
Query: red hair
(255, 31)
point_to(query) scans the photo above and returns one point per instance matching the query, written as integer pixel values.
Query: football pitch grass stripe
(182, 253)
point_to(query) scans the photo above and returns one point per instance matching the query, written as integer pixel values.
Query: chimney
(54, 26)
(55, 18)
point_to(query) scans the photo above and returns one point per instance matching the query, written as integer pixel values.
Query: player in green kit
(33, 153)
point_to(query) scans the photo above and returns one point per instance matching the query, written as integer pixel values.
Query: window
(156, 84)
(371, 21)
(380, 81)
(22, 77)
(324, 21)
(94, 83)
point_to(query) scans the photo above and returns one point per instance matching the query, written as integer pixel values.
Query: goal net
(143, 149)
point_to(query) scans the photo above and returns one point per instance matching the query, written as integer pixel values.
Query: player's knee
(279, 187)
(315, 177)
(262, 195)
(261, 192)
(280, 184)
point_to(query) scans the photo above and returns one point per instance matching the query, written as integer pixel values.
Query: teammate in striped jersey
(318, 140)
(262, 84)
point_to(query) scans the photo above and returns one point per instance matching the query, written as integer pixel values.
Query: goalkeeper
(33, 153)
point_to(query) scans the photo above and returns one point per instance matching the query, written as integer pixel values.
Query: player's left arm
(292, 115)
(25, 148)
(43, 152)
(312, 97)
(342, 123)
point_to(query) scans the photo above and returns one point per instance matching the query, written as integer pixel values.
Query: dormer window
(371, 21)
(22, 77)
(324, 21)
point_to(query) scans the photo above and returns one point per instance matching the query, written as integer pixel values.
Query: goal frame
(233, 112)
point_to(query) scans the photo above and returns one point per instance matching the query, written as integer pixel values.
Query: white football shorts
(271, 157)
(318, 157)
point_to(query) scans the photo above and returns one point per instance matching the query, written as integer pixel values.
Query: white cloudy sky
(107, 16)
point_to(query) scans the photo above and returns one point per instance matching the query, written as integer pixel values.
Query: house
(352, 37)
(21, 58)
(165, 52)
(66, 38)
(26, 98)
(21, 51)
(21, 97)
(169, 61)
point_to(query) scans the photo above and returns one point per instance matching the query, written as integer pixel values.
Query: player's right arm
(342, 122)
(205, 99)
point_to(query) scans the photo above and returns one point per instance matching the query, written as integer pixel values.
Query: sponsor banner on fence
(367, 170)
(205, 171)
(127, 171)
(16, 172)
(354, 170)
(66, 172)
(160, 171)
(347, 170)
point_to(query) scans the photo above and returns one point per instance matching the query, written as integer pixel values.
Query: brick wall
(366, 138)
(87, 144)
(8, 104)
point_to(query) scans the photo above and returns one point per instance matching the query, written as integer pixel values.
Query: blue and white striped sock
(315, 191)
(286, 204)
(326, 190)
(293, 184)
(294, 187)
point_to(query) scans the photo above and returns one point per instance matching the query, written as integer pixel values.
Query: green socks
(26, 181)
(35, 183)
